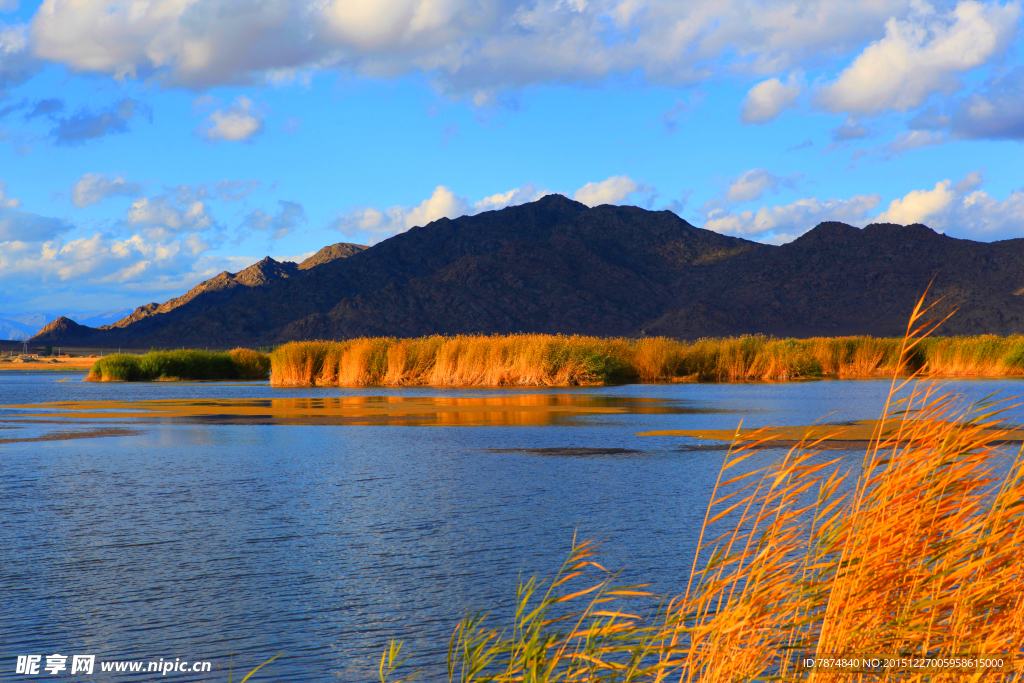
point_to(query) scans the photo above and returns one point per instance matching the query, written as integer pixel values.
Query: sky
(147, 145)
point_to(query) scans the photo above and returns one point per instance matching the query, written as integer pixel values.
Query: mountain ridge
(557, 266)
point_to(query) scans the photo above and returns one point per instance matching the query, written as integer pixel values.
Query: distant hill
(557, 266)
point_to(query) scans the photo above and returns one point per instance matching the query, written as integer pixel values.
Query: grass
(183, 364)
(918, 555)
(560, 360)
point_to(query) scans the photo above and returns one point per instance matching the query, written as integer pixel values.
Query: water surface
(204, 520)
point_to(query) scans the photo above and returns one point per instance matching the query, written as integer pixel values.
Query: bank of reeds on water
(181, 364)
(918, 555)
(560, 360)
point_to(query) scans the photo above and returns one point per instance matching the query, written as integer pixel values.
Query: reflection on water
(842, 436)
(494, 410)
(218, 524)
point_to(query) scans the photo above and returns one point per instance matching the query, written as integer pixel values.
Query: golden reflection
(856, 433)
(515, 409)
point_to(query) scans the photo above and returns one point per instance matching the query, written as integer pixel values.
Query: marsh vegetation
(182, 364)
(561, 360)
(916, 555)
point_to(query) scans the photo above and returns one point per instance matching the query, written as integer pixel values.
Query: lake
(227, 521)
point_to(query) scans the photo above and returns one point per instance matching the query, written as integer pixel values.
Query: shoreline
(59, 363)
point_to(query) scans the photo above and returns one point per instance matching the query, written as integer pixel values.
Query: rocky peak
(265, 271)
(331, 253)
(59, 329)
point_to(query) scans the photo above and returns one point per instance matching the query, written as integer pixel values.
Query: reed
(560, 360)
(917, 555)
(182, 364)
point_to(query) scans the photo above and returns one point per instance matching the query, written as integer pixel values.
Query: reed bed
(182, 364)
(560, 360)
(915, 557)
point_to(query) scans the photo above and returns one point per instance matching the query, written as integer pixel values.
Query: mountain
(557, 266)
(330, 253)
(224, 287)
(102, 318)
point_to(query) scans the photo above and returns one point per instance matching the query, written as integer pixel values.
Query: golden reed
(909, 568)
(563, 360)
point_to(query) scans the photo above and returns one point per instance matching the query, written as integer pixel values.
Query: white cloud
(766, 100)
(5, 201)
(614, 190)
(470, 48)
(752, 184)
(919, 205)
(161, 217)
(241, 122)
(515, 197)
(68, 274)
(93, 188)
(778, 224)
(914, 139)
(379, 225)
(960, 209)
(16, 61)
(920, 56)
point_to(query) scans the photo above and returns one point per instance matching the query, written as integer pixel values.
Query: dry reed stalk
(561, 360)
(919, 554)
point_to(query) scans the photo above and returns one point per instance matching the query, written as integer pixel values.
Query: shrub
(181, 364)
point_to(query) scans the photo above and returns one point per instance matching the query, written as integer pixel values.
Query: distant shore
(56, 363)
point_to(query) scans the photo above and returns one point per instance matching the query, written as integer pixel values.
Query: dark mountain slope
(837, 280)
(219, 289)
(556, 266)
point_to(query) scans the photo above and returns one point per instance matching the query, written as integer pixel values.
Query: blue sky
(146, 145)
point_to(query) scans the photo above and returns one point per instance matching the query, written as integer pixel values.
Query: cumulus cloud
(914, 139)
(286, 220)
(378, 225)
(373, 225)
(100, 269)
(766, 100)
(241, 122)
(470, 48)
(755, 182)
(162, 217)
(614, 190)
(5, 201)
(777, 224)
(917, 206)
(920, 56)
(88, 125)
(93, 188)
(961, 209)
(515, 197)
(904, 142)
(16, 61)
